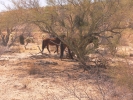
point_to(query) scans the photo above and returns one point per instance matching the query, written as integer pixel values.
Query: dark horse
(50, 41)
(91, 39)
(62, 49)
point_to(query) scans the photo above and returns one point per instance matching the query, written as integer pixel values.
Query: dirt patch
(29, 75)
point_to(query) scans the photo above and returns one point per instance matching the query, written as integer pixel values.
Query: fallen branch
(39, 50)
(36, 53)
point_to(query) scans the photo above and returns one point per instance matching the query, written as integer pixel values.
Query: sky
(8, 3)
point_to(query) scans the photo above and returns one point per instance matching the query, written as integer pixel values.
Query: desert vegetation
(98, 32)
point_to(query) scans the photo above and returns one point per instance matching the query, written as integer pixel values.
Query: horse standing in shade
(92, 39)
(63, 46)
(62, 49)
(50, 41)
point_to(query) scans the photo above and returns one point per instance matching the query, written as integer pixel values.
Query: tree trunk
(3, 40)
(21, 38)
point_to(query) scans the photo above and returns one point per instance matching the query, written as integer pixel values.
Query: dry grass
(33, 70)
(122, 73)
(17, 48)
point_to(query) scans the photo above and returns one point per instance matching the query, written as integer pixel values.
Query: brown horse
(50, 41)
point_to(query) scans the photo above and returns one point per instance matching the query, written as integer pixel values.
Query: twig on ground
(39, 49)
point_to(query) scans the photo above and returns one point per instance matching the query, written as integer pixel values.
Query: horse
(50, 41)
(62, 49)
(92, 39)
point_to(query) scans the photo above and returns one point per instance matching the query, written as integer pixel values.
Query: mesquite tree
(82, 21)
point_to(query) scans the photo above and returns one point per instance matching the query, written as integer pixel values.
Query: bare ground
(26, 75)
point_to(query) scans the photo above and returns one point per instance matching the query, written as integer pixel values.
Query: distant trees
(14, 23)
(8, 22)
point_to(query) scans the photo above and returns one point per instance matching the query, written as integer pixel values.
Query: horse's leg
(48, 48)
(43, 46)
(70, 54)
(42, 50)
(56, 49)
(62, 48)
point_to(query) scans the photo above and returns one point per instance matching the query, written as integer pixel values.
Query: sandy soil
(26, 75)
